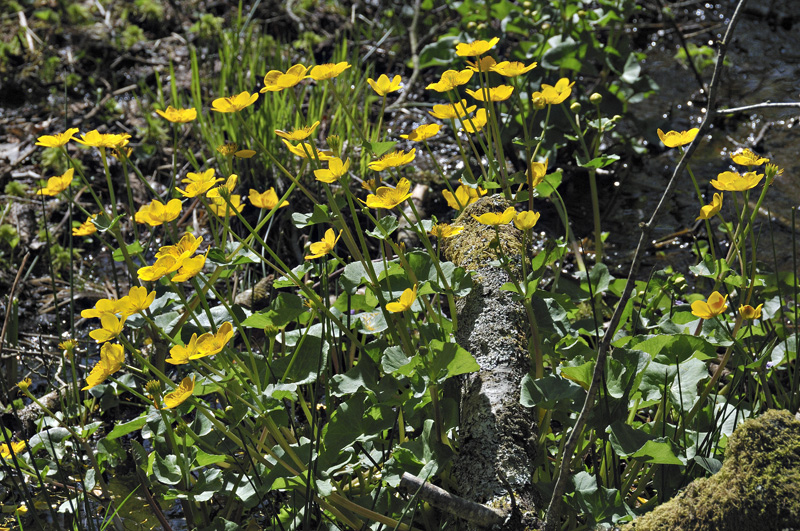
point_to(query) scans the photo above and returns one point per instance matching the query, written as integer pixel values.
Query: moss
(757, 488)
(475, 246)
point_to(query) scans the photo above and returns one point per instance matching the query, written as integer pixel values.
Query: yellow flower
(221, 208)
(538, 170)
(383, 86)
(111, 328)
(423, 132)
(553, 95)
(231, 149)
(324, 246)
(748, 312)
(180, 354)
(275, 80)
(393, 160)
(190, 268)
(162, 266)
(57, 140)
(267, 199)
(476, 123)
(209, 344)
(673, 139)
(711, 210)
(298, 134)
(68, 346)
(387, 197)
(95, 139)
(484, 64)
(157, 213)
(538, 100)
(499, 93)
(475, 47)
(234, 103)
(24, 384)
(137, 300)
(180, 394)
(451, 79)
(304, 150)
(494, 219)
(465, 195)
(228, 187)
(745, 157)
(406, 300)
(336, 170)
(7, 451)
(444, 230)
(369, 185)
(199, 183)
(178, 116)
(112, 357)
(185, 248)
(56, 185)
(103, 307)
(730, 181)
(708, 310)
(328, 70)
(526, 220)
(87, 228)
(450, 111)
(512, 68)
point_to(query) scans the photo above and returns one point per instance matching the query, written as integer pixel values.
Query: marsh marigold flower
(445, 230)
(499, 93)
(393, 160)
(298, 134)
(336, 170)
(388, 197)
(537, 172)
(178, 116)
(494, 219)
(190, 268)
(111, 327)
(745, 157)
(423, 132)
(451, 111)
(56, 185)
(234, 103)
(324, 246)
(708, 310)
(87, 228)
(137, 300)
(232, 150)
(730, 181)
(304, 150)
(407, 298)
(711, 210)
(112, 356)
(24, 384)
(748, 312)
(475, 47)
(512, 68)
(275, 80)
(157, 213)
(526, 220)
(180, 354)
(383, 86)
(464, 195)
(185, 247)
(673, 139)
(177, 397)
(209, 344)
(57, 140)
(227, 187)
(484, 64)
(7, 451)
(95, 139)
(221, 208)
(162, 266)
(476, 123)
(451, 79)
(267, 200)
(199, 183)
(555, 94)
(328, 70)
(103, 307)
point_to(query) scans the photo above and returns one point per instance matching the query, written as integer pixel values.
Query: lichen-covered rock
(757, 488)
(496, 435)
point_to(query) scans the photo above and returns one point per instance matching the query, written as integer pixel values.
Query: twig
(11, 299)
(441, 499)
(757, 106)
(554, 508)
(671, 19)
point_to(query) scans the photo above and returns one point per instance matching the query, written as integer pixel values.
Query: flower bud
(575, 107)
(596, 98)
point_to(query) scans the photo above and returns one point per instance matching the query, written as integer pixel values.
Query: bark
(497, 436)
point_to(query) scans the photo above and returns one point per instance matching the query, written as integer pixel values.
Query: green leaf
(104, 223)
(283, 309)
(600, 162)
(625, 439)
(203, 459)
(127, 427)
(355, 420)
(299, 272)
(549, 185)
(208, 484)
(449, 359)
(684, 386)
(166, 469)
(303, 365)
(548, 391)
(394, 360)
(659, 452)
(632, 70)
(364, 375)
(379, 148)
(386, 226)
(319, 215)
(582, 374)
(134, 248)
(439, 53)
(562, 54)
